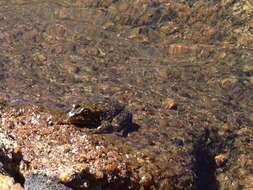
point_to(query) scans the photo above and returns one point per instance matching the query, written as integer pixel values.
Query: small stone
(169, 103)
(64, 176)
(168, 29)
(220, 160)
(135, 33)
(39, 57)
(108, 26)
(99, 174)
(71, 68)
(228, 82)
(222, 55)
(251, 115)
(247, 68)
(250, 79)
(181, 49)
(211, 31)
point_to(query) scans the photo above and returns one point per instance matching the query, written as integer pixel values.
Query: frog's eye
(74, 106)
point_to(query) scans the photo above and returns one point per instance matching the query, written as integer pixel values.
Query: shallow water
(198, 53)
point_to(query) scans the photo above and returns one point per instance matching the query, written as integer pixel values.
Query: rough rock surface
(40, 182)
(8, 183)
(87, 161)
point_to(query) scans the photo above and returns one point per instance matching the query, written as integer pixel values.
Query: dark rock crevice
(10, 165)
(85, 180)
(204, 166)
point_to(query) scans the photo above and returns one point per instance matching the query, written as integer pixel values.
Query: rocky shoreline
(83, 160)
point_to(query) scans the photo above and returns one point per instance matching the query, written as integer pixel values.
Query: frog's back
(104, 104)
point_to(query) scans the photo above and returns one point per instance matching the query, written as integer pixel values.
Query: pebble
(168, 29)
(169, 103)
(247, 68)
(228, 82)
(71, 68)
(39, 57)
(211, 31)
(180, 49)
(220, 160)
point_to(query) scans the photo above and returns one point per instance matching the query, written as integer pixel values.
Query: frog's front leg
(122, 122)
(104, 127)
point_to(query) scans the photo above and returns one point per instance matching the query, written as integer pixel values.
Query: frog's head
(84, 115)
(76, 109)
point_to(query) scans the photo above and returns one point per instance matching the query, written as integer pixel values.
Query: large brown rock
(84, 160)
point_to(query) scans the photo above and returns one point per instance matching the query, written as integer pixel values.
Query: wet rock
(247, 69)
(169, 103)
(71, 68)
(180, 49)
(228, 82)
(238, 171)
(210, 31)
(169, 29)
(40, 57)
(73, 155)
(7, 183)
(40, 182)
(250, 79)
(220, 160)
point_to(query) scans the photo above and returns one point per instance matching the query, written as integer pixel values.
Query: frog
(106, 116)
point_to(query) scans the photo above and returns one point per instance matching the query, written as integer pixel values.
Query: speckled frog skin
(101, 116)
